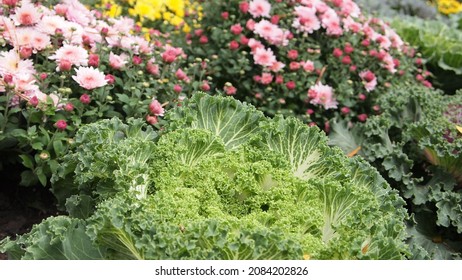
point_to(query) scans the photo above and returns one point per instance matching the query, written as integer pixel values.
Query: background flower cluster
(318, 60)
(63, 65)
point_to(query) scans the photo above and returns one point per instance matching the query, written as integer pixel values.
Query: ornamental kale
(222, 181)
(415, 144)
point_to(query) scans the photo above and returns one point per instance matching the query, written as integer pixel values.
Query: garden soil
(21, 207)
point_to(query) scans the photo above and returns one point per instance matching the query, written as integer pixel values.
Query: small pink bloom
(117, 61)
(64, 65)
(348, 49)
(25, 52)
(85, 99)
(89, 77)
(152, 68)
(34, 101)
(266, 78)
(10, 3)
(69, 107)
(294, 65)
(275, 19)
(137, 60)
(177, 88)
(75, 55)
(362, 117)
(369, 79)
(244, 40)
(264, 57)
(327, 127)
(306, 20)
(199, 32)
(362, 96)
(279, 79)
(205, 86)
(353, 68)
(26, 14)
(259, 8)
(309, 111)
(180, 74)
(250, 24)
(236, 29)
(203, 39)
(244, 7)
(427, 84)
(93, 60)
(292, 54)
(346, 60)
(61, 125)
(337, 52)
(151, 119)
(43, 76)
(225, 15)
(276, 66)
(233, 45)
(229, 89)
(365, 43)
(156, 108)
(308, 66)
(110, 79)
(61, 9)
(323, 95)
(290, 85)
(345, 110)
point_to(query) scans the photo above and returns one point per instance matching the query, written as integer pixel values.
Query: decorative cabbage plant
(221, 182)
(440, 45)
(416, 145)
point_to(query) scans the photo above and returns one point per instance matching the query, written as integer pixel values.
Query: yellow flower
(449, 6)
(169, 11)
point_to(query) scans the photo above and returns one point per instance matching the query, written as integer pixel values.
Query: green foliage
(415, 145)
(392, 8)
(440, 45)
(222, 182)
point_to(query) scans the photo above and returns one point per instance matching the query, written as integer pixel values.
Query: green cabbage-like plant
(416, 146)
(222, 181)
(440, 45)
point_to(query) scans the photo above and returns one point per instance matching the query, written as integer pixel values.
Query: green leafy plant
(221, 182)
(441, 48)
(393, 8)
(416, 146)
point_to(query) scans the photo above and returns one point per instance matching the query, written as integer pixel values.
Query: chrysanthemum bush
(315, 59)
(62, 65)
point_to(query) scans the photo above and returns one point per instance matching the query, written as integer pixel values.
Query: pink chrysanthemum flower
(30, 37)
(11, 63)
(49, 24)
(72, 32)
(117, 61)
(271, 32)
(76, 55)
(89, 78)
(322, 95)
(306, 20)
(259, 8)
(369, 80)
(264, 57)
(26, 14)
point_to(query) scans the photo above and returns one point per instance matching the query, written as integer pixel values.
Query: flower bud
(61, 125)
(44, 155)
